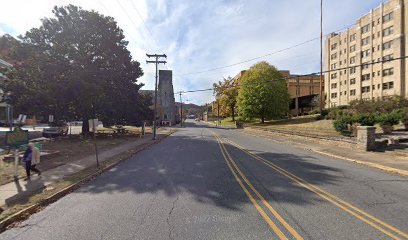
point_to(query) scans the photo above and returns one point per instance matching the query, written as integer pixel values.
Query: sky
(199, 35)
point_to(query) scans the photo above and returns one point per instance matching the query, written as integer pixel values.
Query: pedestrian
(27, 157)
(35, 158)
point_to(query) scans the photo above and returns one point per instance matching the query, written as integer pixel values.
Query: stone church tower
(166, 102)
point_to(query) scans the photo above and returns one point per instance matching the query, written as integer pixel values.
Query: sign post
(15, 139)
(93, 123)
(50, 118)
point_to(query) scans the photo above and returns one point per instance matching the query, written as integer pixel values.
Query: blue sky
(200, 35)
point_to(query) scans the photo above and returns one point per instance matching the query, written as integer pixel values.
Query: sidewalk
(12, 192)
(390, 161)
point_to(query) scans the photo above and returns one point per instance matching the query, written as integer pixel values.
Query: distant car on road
(59, 128)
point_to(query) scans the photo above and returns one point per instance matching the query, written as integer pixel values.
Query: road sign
(21, 118)
(50, 118)
(17, 137)
(93, 124)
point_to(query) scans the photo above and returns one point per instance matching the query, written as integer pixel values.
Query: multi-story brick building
(367, 60)
(302, 89)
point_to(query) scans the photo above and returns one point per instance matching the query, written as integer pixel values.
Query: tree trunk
(85, 127)
(233, 113)
(262, 118)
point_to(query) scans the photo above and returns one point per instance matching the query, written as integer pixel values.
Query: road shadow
(192, 164)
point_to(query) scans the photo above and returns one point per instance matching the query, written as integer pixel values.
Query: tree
(227, 90)
(77, 66)
(263, 93)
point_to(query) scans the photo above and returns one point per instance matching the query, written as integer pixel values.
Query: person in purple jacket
(27, 158)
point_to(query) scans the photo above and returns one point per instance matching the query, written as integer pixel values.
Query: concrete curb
(25, 213)
(373, 165)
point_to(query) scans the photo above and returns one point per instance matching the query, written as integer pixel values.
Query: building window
(365, 89)
(353, 48)
(388, 72)
(365, 53)
(373, 87)
(353, 92)
(388, 85)
(333, 56)
(333, 66)
(388, 57)
(365, 65)
(365, 77)
(333, 46)
(388, 31)
(365, 41)
(333, 85)
(333, 76)
(352, 60)
(387, 17)
(387, 45)
(352, 81)
(352, 37)
(352, 70)
(365, 28)
(333, 95)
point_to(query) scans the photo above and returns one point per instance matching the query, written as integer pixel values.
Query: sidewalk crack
(171, 227)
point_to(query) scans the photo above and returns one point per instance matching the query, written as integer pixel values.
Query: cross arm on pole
(156, 55)
(164, 62)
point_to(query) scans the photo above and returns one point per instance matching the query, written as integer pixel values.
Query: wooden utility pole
(156, 62)
(181, 111)
(321, 57)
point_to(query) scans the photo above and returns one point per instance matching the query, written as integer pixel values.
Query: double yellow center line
(385, 228)
(245, 184)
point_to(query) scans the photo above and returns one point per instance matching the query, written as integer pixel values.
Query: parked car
(59, 128)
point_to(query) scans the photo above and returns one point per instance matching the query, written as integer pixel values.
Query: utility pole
(157, 62)
(321, 57)
(181, 111)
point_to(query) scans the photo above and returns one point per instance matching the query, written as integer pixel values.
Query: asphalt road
(209, 183)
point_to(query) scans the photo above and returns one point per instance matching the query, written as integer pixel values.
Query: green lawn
(303, 125)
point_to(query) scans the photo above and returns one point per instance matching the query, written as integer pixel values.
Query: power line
(148, 30)
(259, 57)
(128, 16)
(108, 12)
(145, 26)
(304, 75)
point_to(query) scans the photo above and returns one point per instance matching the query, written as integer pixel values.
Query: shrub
(314, 112)
(324, 112)
(399, 114)
(388, 119)
(404, 114)
(366, 119)
(341, 125)
(335, 113)
(382, 106)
